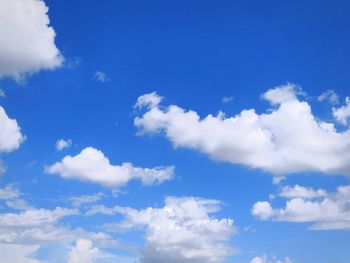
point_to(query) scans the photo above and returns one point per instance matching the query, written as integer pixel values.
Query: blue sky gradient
(193, 54)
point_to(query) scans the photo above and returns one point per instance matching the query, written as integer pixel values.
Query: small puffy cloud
(182, 231)
(10, 133)
(83, 252)
(17, 253)
(63, 144)
(92, 165)
(101, 76)
(227, 99)
(265, 259)
(286, 139)
(324, 210)
(342, 114)
(330, 96)
(262, 210)
(27, 42)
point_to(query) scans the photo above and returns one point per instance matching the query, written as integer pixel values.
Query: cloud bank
(180, 232)
(324, 210)
(286, 139)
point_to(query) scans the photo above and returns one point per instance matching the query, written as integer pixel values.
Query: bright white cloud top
(325, 210)
(180, 232)
(92, 165)
(83, 252)
(10, 133)
(287, 139)
(27, 42)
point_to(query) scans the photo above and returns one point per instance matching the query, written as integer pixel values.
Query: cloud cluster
(27, 42)
(325, 210)
(10, 133)
(93, 166)
(180, 232)
(25, 229)
(286, 139)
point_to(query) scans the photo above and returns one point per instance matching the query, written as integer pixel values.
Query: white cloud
(265, 259)
(282, 94)
(330, 96)
(181, 232)
(10, 253)
(35, 217)
(149, 101)
(101, 76)
(63, 144)
(27, 42)
(342, 114)
(93, 166)
(2, 94)
(287, 139)
(83, 252)
(23, 233)
(262, 210)
(303, 192)
(77, 201)
(324, 210)
(10, 133)
(12, 198)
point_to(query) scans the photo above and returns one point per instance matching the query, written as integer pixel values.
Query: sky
(174, 131)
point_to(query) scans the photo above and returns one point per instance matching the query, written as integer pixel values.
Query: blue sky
(174, 131)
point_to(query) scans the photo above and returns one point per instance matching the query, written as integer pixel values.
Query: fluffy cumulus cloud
(324, 210)
(342, 114)
(265, 259)
(27, 42)
(83, 252)
(93, 166)
(180, 232)
(286, 139)
(10, 133)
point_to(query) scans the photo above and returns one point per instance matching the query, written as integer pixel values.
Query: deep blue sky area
(192, 53)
